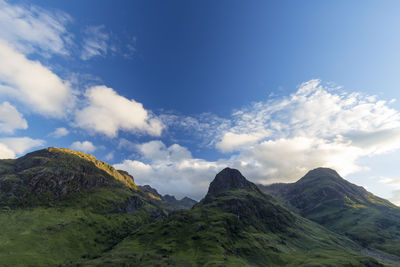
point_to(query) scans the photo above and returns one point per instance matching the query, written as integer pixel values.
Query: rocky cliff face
(50, 174)
(229, 179)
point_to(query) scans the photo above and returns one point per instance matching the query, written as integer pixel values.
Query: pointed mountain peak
(229, 179)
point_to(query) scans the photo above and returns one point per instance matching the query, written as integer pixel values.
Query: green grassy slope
(324, 197)
(234, 225)
(59, 205)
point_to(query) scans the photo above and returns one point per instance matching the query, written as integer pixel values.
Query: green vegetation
(324, 197)
(238, 227)
(60, 207)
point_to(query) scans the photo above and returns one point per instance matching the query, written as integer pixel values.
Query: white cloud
(277, 141)
(156, 150)
(6, 152)
(33, 84)
(11, 119)
(232, 141)
(108, 112)
(18, 145)
(32, 29)
(85, 146)
(394, 183)
(396, 197)
(59, 132)
(315, 126)
(171, 169)
(95, 42)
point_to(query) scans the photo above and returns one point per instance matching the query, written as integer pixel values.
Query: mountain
(234, 225)
(168, 202)
(326, 198)
(58, 205)
(63, 207)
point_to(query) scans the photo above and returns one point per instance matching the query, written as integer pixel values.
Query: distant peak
(228, 179)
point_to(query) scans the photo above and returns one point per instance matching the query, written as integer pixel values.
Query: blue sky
(175, 91)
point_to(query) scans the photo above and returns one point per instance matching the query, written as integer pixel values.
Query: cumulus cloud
(6, 152)
(85, 146)
(33, 29)
(315, 126)
(33, 84)
(59, 132)
(171, 169)
(95, 42)
(107, 112)
(11, 119)
(12, 146)
(278, 140)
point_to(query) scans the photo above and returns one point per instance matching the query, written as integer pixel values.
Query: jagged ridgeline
(345, 208)
(59, 205)
(234, 225)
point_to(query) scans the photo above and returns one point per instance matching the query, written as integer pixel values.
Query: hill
(58, 205)
(234, 225)
(326, 198)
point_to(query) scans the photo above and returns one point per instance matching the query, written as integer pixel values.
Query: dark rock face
(319, 173)
(148, 189)
(229, 179)
(51, 174)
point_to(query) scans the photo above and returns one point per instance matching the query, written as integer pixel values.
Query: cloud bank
(278, 140)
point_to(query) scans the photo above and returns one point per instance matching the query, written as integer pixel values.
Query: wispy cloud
(95, 42)
(30, 28)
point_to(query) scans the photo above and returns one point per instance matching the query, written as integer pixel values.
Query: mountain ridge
(344, 208)
(76, 210)
(234, 225)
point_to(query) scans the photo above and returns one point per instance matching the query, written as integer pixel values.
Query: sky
(174, 91)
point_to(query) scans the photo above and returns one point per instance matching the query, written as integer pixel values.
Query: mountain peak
(319, 173)
(229, 179)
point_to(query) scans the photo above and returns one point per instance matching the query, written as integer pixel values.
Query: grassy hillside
(326, 198)
(234, 225)
(58, 205)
